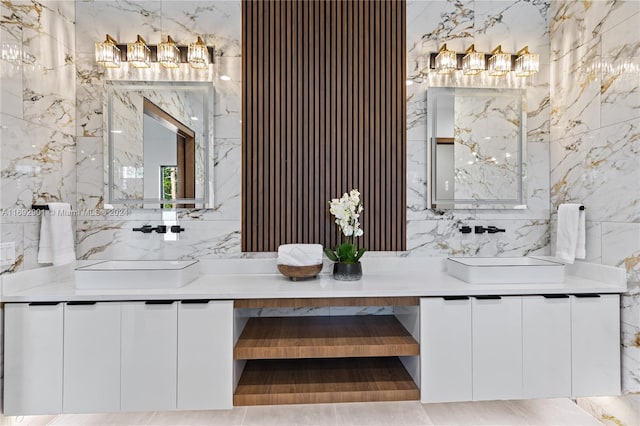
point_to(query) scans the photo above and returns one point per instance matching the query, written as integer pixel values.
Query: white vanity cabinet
(531, 346)
(149, 355)
(33, 358)
(91, 357)
(595, 339)
(497, 347)
(205, 355)
(445, 329)
(546, 346)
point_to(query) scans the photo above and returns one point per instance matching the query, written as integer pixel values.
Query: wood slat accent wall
(323, 112)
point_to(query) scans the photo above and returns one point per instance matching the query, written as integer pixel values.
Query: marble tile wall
(37, 118)
(595, 145)
(208, 233)
(216, 232)
(459, 23)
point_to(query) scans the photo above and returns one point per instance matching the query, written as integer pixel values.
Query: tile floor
(554, 412)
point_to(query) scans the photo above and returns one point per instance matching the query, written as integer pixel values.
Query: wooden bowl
(300, 272)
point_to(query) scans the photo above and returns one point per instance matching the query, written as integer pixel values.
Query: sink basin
(505, 270)
(134, 274)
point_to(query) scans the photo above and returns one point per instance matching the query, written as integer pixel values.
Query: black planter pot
(347, 271)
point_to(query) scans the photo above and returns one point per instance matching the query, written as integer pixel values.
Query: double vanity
(239, 333)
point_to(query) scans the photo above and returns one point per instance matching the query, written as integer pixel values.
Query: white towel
(300, 254)
(56, 235)
(571, 235)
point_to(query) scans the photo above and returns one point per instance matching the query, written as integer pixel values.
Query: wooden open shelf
(324, 337)
(312, 381)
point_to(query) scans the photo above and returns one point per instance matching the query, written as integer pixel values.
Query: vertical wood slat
(323, 112)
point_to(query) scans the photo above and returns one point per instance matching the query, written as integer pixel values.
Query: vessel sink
(136, 274)
(505, 270)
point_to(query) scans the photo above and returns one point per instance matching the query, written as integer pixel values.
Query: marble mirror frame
(497, 178)
(116, 97)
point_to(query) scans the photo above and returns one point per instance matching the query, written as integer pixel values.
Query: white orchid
(346, 210)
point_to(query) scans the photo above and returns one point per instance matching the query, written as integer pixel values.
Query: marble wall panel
(114, 239)
(599, 169)
(575, 53)
(442, 238)
(38, 164)
(460, 23)
(10, 65)
(621, 247)
(620, 68)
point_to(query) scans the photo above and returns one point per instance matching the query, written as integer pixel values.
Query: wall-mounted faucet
(160, 229)
(147, 229)
(465, 229)
(489, 229)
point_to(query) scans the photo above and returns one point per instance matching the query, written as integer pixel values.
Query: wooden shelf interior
(324, 337)
(312, 381)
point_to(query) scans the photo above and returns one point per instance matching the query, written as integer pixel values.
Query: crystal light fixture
(169, 54)
(198, 55)
(446, 61)
(107, 53)
(473, 62)
(138, 53)
(499, 62)
(527, 63)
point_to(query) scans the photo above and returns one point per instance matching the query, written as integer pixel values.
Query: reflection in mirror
(476, 148)
(158, 144)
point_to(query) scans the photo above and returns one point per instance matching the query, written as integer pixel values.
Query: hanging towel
(56, 235)
(571, 235)
(300, 254)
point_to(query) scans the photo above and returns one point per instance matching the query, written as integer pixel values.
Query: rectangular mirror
(476, 156)
(158, 144)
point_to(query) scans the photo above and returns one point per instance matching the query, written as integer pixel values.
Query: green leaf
(330, 254)
(346, 253)
(360, 253)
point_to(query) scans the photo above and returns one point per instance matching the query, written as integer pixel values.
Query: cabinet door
(445, 349)
(149, 356)
(205, 355)
(33, 358)
(595, 338)
(497, 347)
(546, 346)
(91, 357)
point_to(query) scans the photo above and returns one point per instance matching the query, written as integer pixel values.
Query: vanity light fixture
(138, 53)
(169, 54)
(527, 63)
(446, 61)
(198, 55)
(107, 53)
(499, 62)
(473, 62)
(110, 54)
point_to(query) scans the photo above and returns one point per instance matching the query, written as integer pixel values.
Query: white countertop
(257, 278)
